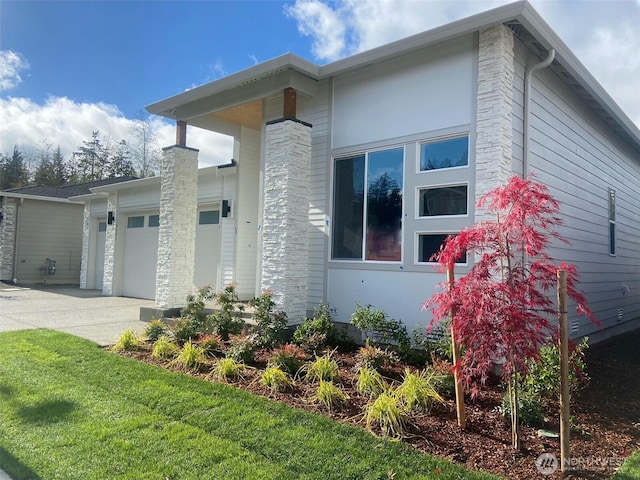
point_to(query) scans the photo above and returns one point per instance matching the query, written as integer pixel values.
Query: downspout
(527, 100)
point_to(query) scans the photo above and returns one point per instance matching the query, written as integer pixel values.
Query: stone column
(177, 232)
(86, 231)
(285, 217)
(110, 249)
(494, 111)
(8, 237)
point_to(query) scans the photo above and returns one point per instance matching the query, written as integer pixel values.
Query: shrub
(272, 324)
(330, 396)
(194, 306)
(241, 348)
(379, 328)
(183, 330)
(417, 392)
(376, 358)
(530, 409)
(436, 342)
(316, 333)
(190, 358)
(227, 369)
(155, 330)
(164, 347)
(443, 380)
(543, 377)
(211, 343)
(370, 382)
(276, 379)
(322, 368)
(388, 414)
(127, 341)
(288, 358)
(228, 320)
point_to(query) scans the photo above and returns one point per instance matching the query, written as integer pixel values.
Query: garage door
(99, 265)
(140, 256)
(207, 248)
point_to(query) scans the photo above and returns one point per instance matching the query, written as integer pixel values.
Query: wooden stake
(563, 325)
(462, 420)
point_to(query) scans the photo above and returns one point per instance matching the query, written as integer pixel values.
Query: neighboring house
(41, 233)
(122, 225)
(350, 175)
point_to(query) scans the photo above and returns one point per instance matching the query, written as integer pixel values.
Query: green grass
(630, 469)
(69, 410)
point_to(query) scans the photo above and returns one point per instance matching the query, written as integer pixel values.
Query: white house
(349, 175)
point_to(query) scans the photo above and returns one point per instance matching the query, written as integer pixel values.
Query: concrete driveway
(85, 313)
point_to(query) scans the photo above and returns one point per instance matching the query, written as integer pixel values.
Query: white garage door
(207, 249)
(140, 256)
(99, 264)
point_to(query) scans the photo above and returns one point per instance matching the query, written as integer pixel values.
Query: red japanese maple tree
(502, 305)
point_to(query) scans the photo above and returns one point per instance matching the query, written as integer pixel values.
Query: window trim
(416, 249)
(417, 215)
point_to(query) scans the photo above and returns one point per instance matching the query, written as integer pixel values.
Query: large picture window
(367, 208)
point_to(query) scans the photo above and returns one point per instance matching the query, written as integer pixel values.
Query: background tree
(145, 152)
(91, 159)
(502, 305)
(120, 163)
(13, 170)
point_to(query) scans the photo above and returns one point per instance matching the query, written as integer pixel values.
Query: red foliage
(502, 305)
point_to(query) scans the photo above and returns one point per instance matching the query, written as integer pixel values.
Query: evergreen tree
(120, 163)
(59, 175)
(42, 174)
(91, 159)
(13, 171)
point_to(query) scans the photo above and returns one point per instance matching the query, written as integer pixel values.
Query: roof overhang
(41, 198)
(289, 70)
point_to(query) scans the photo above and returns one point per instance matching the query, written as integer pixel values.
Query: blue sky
(67, 68)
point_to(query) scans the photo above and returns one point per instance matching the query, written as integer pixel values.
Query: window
(429, 244)
(154, 220)
(435, 201)
(209, 217)
(102, 226)
(367, 206)
(452, 152)
(612, 222)
(135, 222)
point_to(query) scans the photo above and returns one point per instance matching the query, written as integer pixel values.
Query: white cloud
(326, 26)
(255, 60)
(61, 121)
(11, 63)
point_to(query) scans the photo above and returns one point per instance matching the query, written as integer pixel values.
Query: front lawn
(69, 410)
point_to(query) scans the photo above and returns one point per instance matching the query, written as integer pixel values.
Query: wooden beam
(289, 104)
(181, 133)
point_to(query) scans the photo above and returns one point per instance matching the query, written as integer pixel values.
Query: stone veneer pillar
(84, 260)
(285, 217)
(8, 237)
(494, 110)
(177, 232)
(108, 278)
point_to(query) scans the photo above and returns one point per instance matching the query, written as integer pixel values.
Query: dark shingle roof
(66, 191)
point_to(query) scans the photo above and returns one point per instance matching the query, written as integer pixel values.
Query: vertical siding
(317, 112)
(247, 212)
(580, 158)
(49, 230)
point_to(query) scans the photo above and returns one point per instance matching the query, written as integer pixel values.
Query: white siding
(228, 234)
(580, 158)
(419, 92)
(49, 230)
(247, 208)
(518, 106)
(140, 198)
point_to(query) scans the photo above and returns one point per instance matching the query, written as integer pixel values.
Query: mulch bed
(606, 417)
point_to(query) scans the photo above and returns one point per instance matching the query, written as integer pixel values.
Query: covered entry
(140, 255)
(207, 256)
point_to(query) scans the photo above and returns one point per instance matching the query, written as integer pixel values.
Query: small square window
(135, 222)
(102, 226)
(154, 220)
(429, 244)
(438, 201)
(209, 217)
(449, 153)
